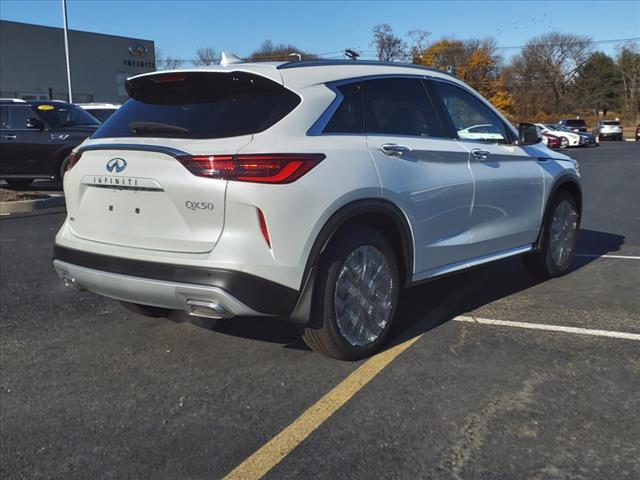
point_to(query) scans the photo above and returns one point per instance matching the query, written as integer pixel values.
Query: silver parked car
(608, 129)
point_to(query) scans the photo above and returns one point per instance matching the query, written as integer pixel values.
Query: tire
(328, 331)
(146, 310)
(549, 261)
(564, 142)
(63, 167)
(19, 182)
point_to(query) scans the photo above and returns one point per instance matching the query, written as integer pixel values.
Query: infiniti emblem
(117, 164)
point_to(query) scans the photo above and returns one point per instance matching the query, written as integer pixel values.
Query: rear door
(421, 170)
(509, 188)
(147, 179)
(22, 148)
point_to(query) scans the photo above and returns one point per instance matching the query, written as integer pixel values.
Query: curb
(29, 206)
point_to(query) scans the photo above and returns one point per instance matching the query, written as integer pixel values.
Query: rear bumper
(172, 286)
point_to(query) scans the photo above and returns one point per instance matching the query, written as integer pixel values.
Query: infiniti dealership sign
(137, 50)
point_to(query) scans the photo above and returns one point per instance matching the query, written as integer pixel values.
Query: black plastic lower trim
(257, 293)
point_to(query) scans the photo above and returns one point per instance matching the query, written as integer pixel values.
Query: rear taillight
(73, 159)
(258, 168)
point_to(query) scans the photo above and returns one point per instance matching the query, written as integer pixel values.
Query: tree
(389, 47)
(206, 56)
(419, 44)
(629, 66)
(475, 62)
(549, 64)
(597, 85)
(268, 52)
(166, 63)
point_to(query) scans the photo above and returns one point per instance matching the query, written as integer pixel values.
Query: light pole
(66, 48)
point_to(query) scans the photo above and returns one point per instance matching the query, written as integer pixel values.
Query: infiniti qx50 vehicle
(312, 191)
(36, 138)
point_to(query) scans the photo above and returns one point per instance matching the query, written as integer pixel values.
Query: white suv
(312, 191)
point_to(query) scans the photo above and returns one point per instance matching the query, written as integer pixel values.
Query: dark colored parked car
(575, 124)
(36, 138)
(586, 139)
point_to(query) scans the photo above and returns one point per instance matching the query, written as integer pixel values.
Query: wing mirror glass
(528, 134)
(35, 123)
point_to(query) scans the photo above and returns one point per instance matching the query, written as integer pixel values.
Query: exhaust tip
(207, 309)
(71, 282)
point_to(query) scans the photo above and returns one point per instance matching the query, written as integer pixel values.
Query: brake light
(275, 168)
(74, 158)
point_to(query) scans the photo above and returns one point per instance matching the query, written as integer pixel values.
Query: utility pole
(66, 48)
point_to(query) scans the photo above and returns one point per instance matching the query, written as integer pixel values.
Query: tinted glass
(64, 115)
(471, 118)
(611, 122)
(101, 113)
(574, 123)
(199, 105)
(348, 118)
(17, 116)
(399, 106)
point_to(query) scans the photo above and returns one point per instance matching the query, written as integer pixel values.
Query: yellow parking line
(276, 449)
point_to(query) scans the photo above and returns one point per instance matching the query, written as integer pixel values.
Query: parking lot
(491, 373)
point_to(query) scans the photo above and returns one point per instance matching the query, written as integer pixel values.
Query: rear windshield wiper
(156, 127)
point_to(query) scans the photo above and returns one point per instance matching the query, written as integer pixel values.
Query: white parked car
(313, 191)
(567, 139)
(101, 111)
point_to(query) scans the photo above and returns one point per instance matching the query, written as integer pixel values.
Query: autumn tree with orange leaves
(475, 62)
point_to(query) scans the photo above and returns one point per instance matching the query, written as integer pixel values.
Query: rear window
(199, 105)
(60, 115)
(611, 122)
(575, 123)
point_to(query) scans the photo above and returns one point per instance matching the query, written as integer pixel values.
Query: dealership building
(32, 63)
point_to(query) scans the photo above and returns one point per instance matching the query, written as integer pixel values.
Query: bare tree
(206, 56)
(419, 43)
(389, 47)
(283, 52)
(629, 66)
(166, 63)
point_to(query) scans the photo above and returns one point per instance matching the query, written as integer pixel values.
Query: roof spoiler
(229, 59)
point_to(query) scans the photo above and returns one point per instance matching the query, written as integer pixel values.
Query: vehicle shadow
(36, 186)
(431, 304)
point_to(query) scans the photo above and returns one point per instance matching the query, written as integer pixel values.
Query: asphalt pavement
(90, 390)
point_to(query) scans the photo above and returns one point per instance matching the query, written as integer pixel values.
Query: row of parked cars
(37, 137)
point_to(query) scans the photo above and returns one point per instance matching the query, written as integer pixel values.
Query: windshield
(65, 115)
(199, 105)
(101, 113)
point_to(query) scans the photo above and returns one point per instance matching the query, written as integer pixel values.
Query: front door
(509, 188)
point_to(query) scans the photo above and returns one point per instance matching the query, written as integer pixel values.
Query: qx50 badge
(117, 164)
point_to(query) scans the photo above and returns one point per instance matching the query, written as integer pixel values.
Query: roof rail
(12, 100)
(321, 63)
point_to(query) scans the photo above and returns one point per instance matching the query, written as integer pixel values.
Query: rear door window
(399, 106)
(199, 105)
(17, 117)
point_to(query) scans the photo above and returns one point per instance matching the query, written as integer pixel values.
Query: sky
(179, 28)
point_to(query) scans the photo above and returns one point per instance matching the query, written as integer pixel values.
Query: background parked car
(608, 129)
(586, 139)
(567, 139)
(36, 138)
(575, 124)
(101, 111)
(551, 141)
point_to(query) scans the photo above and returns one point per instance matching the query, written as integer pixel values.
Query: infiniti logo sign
(117, 164)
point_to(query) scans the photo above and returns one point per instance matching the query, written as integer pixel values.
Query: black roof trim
(323, 63)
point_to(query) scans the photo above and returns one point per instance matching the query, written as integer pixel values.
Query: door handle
(9, 137)
(394, 150)
(480, 154)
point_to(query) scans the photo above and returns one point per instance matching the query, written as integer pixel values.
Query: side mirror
(35, 123)
(528, 134)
